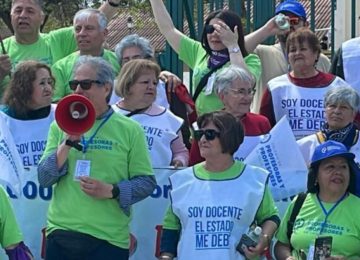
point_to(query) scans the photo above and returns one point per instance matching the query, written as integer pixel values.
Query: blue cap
(293, 7)
(330, 149)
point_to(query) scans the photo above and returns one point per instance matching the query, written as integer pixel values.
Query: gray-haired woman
(341, 108)
(235, 88)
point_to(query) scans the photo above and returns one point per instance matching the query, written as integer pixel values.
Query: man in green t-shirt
(28, 43)
(90, 33)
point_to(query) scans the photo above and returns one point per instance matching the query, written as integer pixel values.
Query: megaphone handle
(75, 144)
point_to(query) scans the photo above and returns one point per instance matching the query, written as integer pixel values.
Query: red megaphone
(75, 114)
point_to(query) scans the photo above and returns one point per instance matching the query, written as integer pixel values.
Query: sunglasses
(209, 28)
(84, 84)
(294, 21)
(210, 134)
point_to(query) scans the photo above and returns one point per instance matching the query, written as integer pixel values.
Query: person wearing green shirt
(90, 33)
(10, 234)
(95, 185)
(215, 202)
(29, 44)
(329, 212)
(222, 44)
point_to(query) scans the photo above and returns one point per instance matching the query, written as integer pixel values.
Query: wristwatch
(114, 4)
(115, 191)
(234, 50)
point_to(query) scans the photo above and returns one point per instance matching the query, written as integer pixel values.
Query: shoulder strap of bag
(136, 111)
(296, 209)
(204, 80)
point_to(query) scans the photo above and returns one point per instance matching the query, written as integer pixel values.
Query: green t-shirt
(118, 152)
(194, 55)
(342, 224)
(10, 233)
(63, 71)
(48, 49)
(266, 209)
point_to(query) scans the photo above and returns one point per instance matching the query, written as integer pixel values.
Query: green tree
(59, 13)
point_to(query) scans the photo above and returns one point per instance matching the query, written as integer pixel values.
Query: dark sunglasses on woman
(209, 28)
(210, 134)
(84, 84)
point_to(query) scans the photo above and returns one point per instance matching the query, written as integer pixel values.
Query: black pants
(69, 245)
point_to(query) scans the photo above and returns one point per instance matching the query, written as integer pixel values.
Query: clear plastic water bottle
(255, 234)
(281, 22)
(249, 240)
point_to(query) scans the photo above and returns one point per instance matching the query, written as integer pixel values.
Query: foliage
(59, 13)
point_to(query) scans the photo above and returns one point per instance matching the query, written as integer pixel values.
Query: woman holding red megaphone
(95, 186)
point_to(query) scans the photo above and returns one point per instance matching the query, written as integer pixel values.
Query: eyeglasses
(210, 134)
(84, 84)
(242, 92)
(209, 28)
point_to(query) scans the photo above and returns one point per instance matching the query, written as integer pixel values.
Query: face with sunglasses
(296, 22)
(85, 83)
(208, 140)
(212, 34)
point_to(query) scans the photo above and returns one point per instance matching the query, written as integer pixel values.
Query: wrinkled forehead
(27, 3)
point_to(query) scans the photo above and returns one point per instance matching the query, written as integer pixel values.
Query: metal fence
(189, 15)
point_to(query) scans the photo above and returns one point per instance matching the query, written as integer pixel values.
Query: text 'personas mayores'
(213, 225)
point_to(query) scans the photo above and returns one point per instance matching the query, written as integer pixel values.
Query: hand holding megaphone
(75, 114)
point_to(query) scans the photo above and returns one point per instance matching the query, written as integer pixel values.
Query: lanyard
(85, 143)
(327, 213)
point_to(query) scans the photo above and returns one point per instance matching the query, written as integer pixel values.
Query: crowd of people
(92, 183)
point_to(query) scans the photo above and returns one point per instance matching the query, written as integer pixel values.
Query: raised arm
(165, 24)
(109, 8)
(229, 37)
(253, 39)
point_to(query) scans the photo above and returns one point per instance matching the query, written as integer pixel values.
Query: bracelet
(113, 4)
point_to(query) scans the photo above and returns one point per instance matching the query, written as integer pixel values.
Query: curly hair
(17, 95)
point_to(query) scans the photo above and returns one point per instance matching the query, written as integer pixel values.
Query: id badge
(209, 85)
(82, 168)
